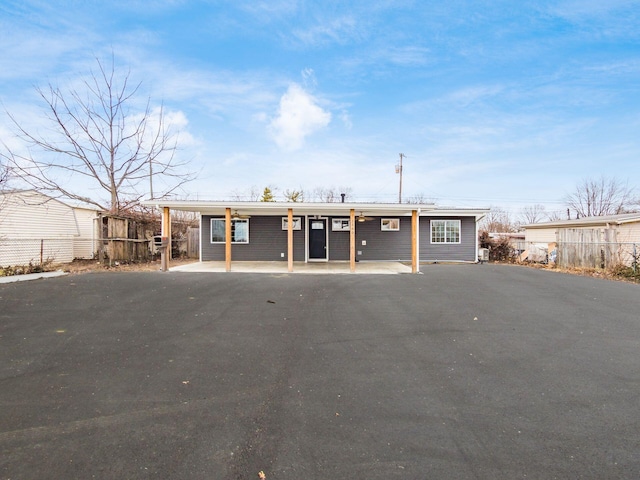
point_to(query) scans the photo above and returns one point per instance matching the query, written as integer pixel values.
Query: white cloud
(406, 56)
(471, 95)
(574, 9)
(346, 119)
(299, 116)
(309, 77)
(338, 30)
(268, 10)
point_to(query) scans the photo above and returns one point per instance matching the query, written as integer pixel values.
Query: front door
(318, 239)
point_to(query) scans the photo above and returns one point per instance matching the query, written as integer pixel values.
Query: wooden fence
(593, 248)
(186, 244)
(193, 242)
(124, 239)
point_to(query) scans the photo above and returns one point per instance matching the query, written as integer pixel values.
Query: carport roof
(314, 208)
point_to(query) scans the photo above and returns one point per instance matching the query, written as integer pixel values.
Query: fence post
(635, 259)
(41, 250)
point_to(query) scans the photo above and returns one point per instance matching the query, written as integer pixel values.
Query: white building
(35, 228)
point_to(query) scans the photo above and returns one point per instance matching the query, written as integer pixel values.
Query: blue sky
(494, 103)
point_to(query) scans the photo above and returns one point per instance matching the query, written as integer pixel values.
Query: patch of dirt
(87, 266)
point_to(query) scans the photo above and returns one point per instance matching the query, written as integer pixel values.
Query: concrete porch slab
(371, 268)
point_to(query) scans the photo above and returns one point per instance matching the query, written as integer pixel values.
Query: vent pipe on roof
(343, 195)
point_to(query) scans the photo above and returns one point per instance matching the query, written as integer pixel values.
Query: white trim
(330, 209)
(311, 218)
(296, 223)
(341, 227)
(477, 244)
(200, 242)
(244, 220)
(390, 222)
(418, 241)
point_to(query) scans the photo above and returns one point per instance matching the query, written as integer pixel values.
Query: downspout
(94, 243)
(200, 239)
(290, 240)
(418, 241)
(477, 240)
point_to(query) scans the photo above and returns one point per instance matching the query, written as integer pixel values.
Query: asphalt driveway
(463, 372)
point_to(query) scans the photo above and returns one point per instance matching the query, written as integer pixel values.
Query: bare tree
(4, 178)
(497, 221)
(602, 196)
(96, 136)
(420, 198)
(4, 175)
(554, 216)
(294, 196)
(253, 194)
(331, 194)
(533, 214)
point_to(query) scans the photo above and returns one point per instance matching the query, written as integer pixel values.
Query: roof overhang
(314, 208)
(602, 221)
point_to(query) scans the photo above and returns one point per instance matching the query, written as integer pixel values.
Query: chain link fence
(41, 251)
(35, 251)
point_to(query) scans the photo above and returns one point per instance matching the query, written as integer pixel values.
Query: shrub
(624, 271)
(500, 249)
(25, 269)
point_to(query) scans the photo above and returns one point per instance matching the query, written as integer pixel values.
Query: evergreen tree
(267, 195)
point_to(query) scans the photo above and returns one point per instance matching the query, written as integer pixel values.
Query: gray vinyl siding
(267, 241)
(383, 245)
(465, 251)
(338, 243)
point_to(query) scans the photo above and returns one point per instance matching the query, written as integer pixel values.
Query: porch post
(352, 240)
(415, 254)
(165, 256)
(290, 240)
(227, 239)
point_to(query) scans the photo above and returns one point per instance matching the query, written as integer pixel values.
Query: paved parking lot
(464, 372)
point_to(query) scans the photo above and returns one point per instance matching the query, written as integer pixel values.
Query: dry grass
(88, 266)
(612, 274)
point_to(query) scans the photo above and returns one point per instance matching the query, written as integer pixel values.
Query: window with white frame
(445, 231)
(340, 224)
(390, 224)
(296, 225)
(239, 230)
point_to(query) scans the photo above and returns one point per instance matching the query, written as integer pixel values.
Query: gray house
(328, 232)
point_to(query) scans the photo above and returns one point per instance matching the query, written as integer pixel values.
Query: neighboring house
(35, 228)
(515, 239)
(323, 232)
(619, 233)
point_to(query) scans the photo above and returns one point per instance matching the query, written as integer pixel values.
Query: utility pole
(399, 170)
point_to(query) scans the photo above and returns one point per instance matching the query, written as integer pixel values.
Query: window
(445, 231)
(390, 224)
(239, 230)
(297, 224)
(340, 224)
